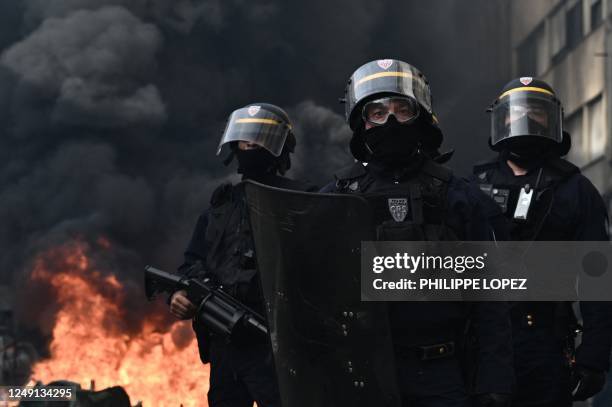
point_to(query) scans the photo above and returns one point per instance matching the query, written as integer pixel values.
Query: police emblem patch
(526, 80)
(398, 207)
(253, 110)
(385, 63)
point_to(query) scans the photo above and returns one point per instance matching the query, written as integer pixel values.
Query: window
(590, 144)
(597, 129)
(573, 25)
(557, 32)
(527, 57)
(573, 125)
(596, 13)
(542, 54)
(533, 54)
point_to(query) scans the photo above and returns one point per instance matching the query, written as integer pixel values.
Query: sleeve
(592, 225)
(197, 248)
(329, 188)
(494, 356)
(196, 251)
(491, 326)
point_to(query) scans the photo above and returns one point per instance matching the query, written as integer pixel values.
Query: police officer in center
(556, 203)
(389, 109)
(260, 137)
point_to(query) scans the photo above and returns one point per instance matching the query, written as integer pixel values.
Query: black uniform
(441, 207)
(241, 371)
(566, 207)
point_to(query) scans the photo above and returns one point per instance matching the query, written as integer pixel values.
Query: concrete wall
(580, 76)
(526, 15)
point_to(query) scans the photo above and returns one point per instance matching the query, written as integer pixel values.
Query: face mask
(255, 162)
(393, 144)
(528, 152)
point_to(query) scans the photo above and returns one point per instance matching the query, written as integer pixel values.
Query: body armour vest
(406, 206)
(527, 200)
(230, 258)
(411, 207)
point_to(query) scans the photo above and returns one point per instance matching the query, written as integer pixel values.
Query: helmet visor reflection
(264, 129)
(527, 114)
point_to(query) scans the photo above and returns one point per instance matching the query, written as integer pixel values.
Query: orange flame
(159, 369)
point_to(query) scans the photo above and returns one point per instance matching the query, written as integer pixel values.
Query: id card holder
(524, 203)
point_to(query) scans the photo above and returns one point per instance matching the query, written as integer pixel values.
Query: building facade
(568, 43)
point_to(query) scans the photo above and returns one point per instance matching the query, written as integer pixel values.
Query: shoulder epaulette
(437, 171)
(563, 167)
(221, 194)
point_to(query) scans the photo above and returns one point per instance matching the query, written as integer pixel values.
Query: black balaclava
(255, 163)
(393, 145)
(529, 152)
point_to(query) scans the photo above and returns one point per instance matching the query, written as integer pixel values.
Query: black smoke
(111, 110)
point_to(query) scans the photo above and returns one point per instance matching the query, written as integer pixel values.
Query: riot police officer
(395, 131)
(544, 197)
(260, 137)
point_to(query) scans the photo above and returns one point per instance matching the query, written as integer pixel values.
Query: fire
(89, 342)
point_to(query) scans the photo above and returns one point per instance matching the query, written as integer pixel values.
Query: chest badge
(398, 207)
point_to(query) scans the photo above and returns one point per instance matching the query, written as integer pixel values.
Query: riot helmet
(527, 110)
(389, 91)
(266, 125)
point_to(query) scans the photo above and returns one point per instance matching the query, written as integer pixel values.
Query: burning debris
(111, 397)
(16, 356)
(90, 339)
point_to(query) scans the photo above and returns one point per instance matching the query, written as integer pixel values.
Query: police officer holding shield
(260, 137)
(389, 109)
(544, 197)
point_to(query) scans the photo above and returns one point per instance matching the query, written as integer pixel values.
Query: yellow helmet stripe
(526, 89)
(262, 121)
(383, 75)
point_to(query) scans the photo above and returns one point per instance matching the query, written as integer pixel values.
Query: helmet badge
(385, 63)
(253, 110)
(526, 80)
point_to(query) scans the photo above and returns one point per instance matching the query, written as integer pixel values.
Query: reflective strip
(383, 75)
(526, 89)
(263, 121)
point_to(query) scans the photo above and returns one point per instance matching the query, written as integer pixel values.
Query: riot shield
(330, 349)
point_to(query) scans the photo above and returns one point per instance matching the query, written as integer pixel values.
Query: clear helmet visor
(526, 113)
(387, 76)
(255, 125)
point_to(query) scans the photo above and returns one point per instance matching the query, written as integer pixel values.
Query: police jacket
(439, 206)
(222, 243)
(565, 207)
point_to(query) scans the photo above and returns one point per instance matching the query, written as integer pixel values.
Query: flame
(89, 344)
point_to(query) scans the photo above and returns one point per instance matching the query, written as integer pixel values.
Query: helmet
(263, 124)
(384, 78)
(527, 107)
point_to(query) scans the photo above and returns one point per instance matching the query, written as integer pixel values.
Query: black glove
(586, 383)
(493, 400)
